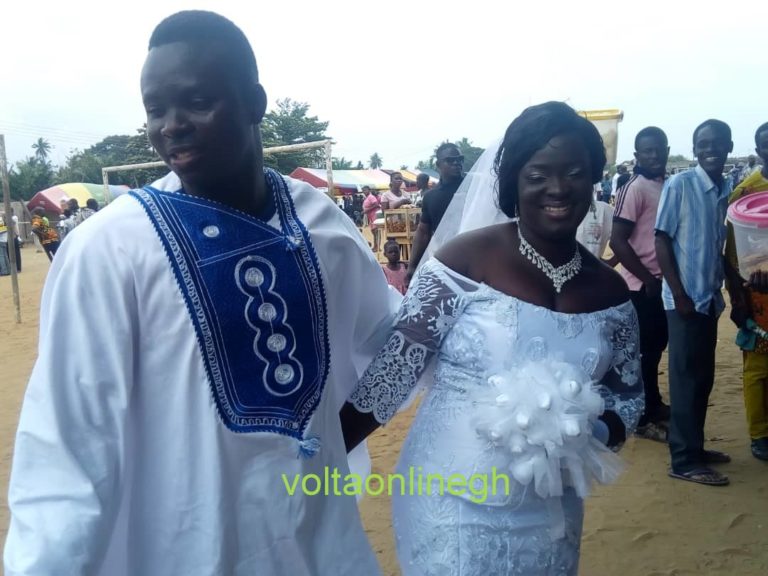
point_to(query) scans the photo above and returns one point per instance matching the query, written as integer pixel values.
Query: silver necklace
(559, 275)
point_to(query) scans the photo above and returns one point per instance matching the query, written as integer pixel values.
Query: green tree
(341, 163)
(290, 124)
(375, 161)
(679, 161)
(34, 173)
(470, 152)
(117, 150)
(42, 147)
(359, 166)
(28, 177)
(81, 166)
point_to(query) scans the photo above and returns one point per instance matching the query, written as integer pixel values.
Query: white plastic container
(749, 217)
(607, 123)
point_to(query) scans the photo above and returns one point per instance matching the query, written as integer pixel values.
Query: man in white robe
(195, 348)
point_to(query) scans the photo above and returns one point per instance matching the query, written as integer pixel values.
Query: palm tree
(470, 152)
(41, 148)
(341, 163)
(375, 161)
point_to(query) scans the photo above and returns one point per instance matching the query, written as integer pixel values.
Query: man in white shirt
(594, 232)
(621, 170)
(422, 182)
(198, 339)
(751, 167)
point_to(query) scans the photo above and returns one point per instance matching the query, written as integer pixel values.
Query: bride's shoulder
(469, 252)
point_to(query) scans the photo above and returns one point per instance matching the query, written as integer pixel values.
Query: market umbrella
(50, 198)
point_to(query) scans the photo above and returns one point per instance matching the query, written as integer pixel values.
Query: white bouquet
(542, 414)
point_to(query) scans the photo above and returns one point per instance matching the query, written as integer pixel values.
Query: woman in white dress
(534, 345)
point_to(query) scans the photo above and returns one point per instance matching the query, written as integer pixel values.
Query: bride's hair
(529, 133)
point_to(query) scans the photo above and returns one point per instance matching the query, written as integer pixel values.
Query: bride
(534, 346)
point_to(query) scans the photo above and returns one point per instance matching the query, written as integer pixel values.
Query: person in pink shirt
(632, 241)
(394, 197)
(394, 269)
(371, 206)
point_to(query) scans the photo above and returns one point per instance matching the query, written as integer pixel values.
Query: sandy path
(646, 525)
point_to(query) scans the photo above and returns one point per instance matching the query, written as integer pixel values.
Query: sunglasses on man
(453, 160)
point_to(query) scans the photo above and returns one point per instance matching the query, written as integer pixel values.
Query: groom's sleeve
(69, 459)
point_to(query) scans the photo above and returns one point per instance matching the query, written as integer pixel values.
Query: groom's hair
(210, 31)
(529, 133)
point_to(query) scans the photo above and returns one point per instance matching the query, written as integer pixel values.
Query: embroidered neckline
(243, 399)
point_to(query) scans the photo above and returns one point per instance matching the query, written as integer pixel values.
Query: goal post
(325, 144)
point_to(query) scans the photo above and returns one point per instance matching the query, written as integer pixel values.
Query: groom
(196, 345)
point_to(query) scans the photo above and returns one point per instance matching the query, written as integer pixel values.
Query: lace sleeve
(429, 310)
(622, 386)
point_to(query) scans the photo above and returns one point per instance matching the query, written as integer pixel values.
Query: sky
(398, 77)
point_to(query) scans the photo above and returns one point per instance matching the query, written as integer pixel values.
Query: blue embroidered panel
(256, 298)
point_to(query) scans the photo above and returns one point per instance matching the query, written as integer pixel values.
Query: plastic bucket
(607, 123)
(749, 217)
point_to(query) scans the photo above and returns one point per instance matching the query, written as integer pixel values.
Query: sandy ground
(646, 525)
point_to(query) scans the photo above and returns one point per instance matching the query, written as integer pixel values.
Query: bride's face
(555, 188)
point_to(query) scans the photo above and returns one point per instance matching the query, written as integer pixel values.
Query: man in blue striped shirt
(690, 235)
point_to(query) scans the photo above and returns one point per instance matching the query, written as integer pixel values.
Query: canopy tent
(344, 181)
(50, 198)
(434, 175)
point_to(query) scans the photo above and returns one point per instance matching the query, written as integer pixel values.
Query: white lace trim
(427, 314)
(429, 311)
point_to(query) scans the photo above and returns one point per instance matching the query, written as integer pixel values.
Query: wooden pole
(11, 230)
(141, 166)
(329, 167)
(327, 144)
(292, 147)
(107, 195)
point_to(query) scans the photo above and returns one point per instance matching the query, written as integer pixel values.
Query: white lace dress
(475, 332)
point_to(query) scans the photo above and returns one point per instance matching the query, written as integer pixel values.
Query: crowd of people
(433, 202)
(674, 227)
(46, 236)
(72, 215)
(234, 331)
